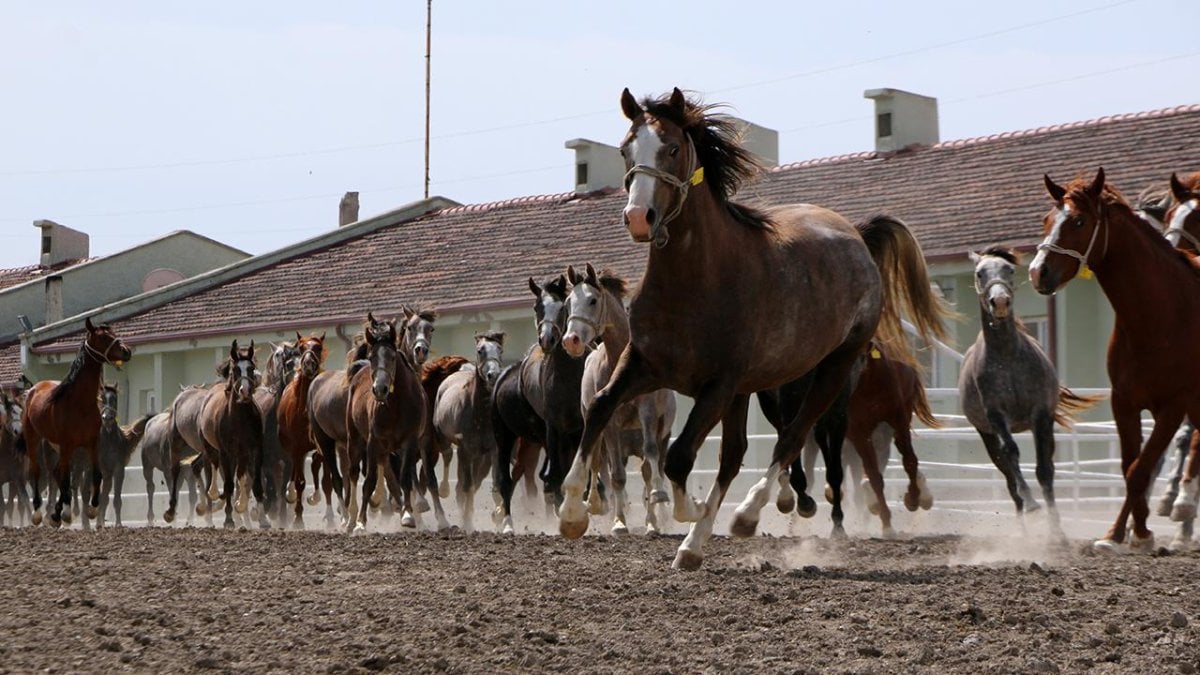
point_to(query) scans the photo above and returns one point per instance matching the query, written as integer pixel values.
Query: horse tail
(922, 410)
(435, 372)
(905, 280)
(1070, 403)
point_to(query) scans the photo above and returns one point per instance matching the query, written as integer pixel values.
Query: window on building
(46, 239)
(581, 173)
(883, 124)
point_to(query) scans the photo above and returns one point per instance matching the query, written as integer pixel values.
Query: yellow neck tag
(876, 354)
(1086, 272)
(697, 176)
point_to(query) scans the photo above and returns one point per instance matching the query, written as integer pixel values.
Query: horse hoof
(66, 517)
(1107, 546)
(926, 501)
(314, 499)
(169, 517)
(742, 526)
(828, 494)
(806, 507)
(408, 521)
(298, 523)
(659, 497)
(651, 530)
(421, 506)
(497, 515)
(619, 528)
(889, 532)
(873, 507)
(572, 529)
(92, 512)
(229, 525)
(1031, 506)
(56, 519)
(37, 518)
(201, 509)
(290, 495)
(1180, 544)
(1165, 505)
(508, 529)
(444, 490)
(911, 501)
(786, 501)
(1183, 511)
(838, 532)
(688, 561)
(1142, 544)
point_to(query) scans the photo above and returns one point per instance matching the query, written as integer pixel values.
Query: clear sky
(247, 121)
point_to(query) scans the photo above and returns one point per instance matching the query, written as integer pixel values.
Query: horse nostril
(651, 216)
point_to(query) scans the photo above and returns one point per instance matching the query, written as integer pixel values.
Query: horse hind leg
(1043, 438)
(1005, 454)
(1183, 442)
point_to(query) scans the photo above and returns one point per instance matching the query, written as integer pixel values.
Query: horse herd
(813, 307)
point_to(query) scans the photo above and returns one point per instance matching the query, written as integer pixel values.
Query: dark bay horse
(432, 448)
(292, 414)
(462, 417)
(277, 467)
(157, 455)
(533, 403)
(596, 311)
(385, 411)
(232, 426)
(65, 415)
(1092, 229)
(1007, 384)
(715, 262)
(14, 466)
(114, 447)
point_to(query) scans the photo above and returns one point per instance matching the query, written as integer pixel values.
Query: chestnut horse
(1007, 385)
(596, 311)
(1092, 229)
(714, 262)
(231, 424)
(1183, 217)
(65, 415)
(385, 412)
(292, 414)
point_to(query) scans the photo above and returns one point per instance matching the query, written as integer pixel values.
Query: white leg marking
(745, 519)
(689, 556)
(685, 508)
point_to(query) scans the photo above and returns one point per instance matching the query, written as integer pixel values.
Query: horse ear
(499, 334)
(1097, 185)
(537, 290)
(88, 324)
(1057, 192)
(630, 106)
(591, 276)
(408, 313)
(298, 339)
(251, 347)
(1179, 190)
(233, 349)
(678, 101)
(322, 338)
(975, 257)
(572, 275)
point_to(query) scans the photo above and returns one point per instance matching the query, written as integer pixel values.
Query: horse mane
(717, 139)
(427, 313)
(1154, 200)
(557, 285)
(1002, 252)
(613, 283)
(356, 354)
(491, 336)
(1190, 181)
(442, 367)
(1111, 198)
(64, 386)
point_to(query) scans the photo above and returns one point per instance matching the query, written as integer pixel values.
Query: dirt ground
(187, 599)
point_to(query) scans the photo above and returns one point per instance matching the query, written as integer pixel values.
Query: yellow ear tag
(118, 363)
(876, 354)
(697, 176)
(1086, 272)
(391, 388)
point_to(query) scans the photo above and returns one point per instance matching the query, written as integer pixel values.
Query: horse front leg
(865, 447)
(712, 403)
(733, 450)
(630, 378)
(1128, 419)
(1183, 510)
(62, 478)
(1043, 439)
(1182, 441)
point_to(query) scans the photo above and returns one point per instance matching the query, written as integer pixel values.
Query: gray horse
(156, 455)
(462, 416)
(114, 447)
(14, 466)
(1007, 384)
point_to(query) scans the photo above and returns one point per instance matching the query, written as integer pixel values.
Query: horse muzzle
(574, 345)
(1043, 279)
(640, 220)
(420, 354)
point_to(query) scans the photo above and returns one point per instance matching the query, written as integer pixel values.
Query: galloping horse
(157, 454)
(769, 273)
(462, 416)
(385, 410)
(1007, 384)
(187, 447)
(431, 447)
(277, 468)
(596, 310)
(114, 447)
(65, 415)
(519, 399)
(292, 414)
(13, 464)
(231, 424)
(1183, 218)
(1092, 229)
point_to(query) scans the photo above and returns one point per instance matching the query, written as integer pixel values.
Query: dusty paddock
(162, 600)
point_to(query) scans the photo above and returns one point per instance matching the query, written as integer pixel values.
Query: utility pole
(428, 50)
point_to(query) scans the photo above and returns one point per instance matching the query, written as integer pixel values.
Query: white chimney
(597, 165)
(60, 243)
(763, 142)
(902, 119)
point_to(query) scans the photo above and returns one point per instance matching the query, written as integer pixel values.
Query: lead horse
(65, 415)
(771, 273)
(1092, 229)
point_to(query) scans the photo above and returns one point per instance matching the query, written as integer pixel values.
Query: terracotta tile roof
(19, 275)
(10, 365)
(956, 195)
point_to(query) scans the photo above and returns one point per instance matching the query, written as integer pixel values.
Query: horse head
(103, 345)
(382, 354)
(10, 408)
(1183, 218)
(281, 366)
(995, 269)
(108, 405)
(1072, 229)
(549, 311)
(241, 373)
(489, 345)
(587, 311)
(311, 355)
(418, 332)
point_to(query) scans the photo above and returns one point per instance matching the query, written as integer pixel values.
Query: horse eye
(674, 150)
(592, 301)
(1079, 222)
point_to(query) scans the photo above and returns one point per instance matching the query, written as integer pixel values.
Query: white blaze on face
(581, 299)
(643, 150)
(1178, 218)
(1052, 238)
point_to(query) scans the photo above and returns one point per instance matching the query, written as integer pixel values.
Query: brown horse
(1092, 229)
(292, 414)
(431, 447)
(281, 366)
(385, 412)
(769, 274)
(232, 426)
(65, 415)
(1183, 218)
